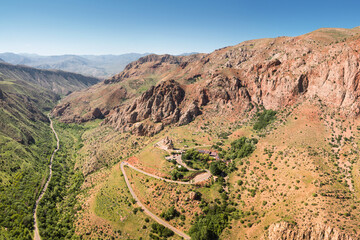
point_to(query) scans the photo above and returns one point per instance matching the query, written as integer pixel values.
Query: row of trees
(193, 156)
(57, 209)
(215, 219)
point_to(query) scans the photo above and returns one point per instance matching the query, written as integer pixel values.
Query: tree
(217, 168)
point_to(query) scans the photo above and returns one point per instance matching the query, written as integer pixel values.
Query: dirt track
(146, 211)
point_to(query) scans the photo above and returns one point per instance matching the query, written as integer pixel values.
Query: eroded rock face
(76, 107)
(287, 231)
(160, 105)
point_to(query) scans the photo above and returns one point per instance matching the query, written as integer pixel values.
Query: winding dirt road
(200, 178)
(147, 211)
(36, 229)
(204, 177)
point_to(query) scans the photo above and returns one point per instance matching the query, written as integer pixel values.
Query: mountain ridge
(60, 82)
(270, 72)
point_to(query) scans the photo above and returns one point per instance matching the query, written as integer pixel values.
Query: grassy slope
(26, 143)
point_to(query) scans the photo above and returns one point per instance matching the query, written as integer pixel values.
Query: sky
(55, 27)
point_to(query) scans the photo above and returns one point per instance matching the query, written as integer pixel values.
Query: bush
(169, 214)
(211, 225)
(161, 231)
(175, 175)
(217, 168)
(240, 148)
(264, 118)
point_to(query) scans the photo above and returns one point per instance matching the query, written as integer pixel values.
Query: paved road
(36, 229)
(146, 211)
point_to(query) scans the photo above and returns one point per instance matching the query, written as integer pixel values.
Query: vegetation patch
(169, 214)
(264, 118)
(57, 209)
(158, 231)
(194, 159)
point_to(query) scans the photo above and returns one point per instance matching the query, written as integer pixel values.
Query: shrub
(169, 214)
(264, 118)
(160, 230)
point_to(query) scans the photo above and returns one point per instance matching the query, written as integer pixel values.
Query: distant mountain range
(101, 66)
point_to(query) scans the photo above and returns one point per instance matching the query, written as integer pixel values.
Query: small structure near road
(211, 153)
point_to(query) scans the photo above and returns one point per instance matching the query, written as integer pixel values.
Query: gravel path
(36, 229)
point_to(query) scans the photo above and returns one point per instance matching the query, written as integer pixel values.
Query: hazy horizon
(118, 27)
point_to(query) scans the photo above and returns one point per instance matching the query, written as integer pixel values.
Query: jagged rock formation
(160, 105)
(285, 230)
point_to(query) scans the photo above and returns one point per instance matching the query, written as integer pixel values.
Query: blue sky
(52, 27)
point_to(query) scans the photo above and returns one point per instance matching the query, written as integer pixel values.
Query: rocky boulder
(285, 230)
(166, 144)
(194, 196)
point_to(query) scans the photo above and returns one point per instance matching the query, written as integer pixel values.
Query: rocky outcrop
(161, 105)
(189, 114)
(166, 144)
(76, 108)
(194, 196)
(288, 231)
